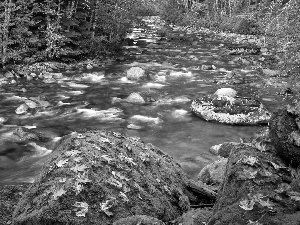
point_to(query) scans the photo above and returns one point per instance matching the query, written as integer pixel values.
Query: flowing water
(174, 78)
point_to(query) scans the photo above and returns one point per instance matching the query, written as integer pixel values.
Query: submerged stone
(104, 176)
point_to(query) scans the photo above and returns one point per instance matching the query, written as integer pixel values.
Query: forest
(70, 30)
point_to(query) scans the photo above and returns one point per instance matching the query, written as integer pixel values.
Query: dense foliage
(33, 30)
(278, 21)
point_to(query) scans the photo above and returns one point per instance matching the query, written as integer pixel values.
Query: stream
(174, 78)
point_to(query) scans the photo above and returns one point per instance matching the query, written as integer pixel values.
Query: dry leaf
(83, 208)
(247, 204)
(62, 180)
(120, 176)
(250, 222)
(79, 168)
(107, 158)
(72, 153)
(61, 163)
(294, 195)
(127, 159)
(124, 197)
(246, 174)
(78, 159)
(105, 140)
(250, 160)
(58, 193)
(105, 206)
(114, 182)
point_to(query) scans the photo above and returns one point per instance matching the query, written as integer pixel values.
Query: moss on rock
(284, 133)
(99, 177)
(257, 190)
(224, 109)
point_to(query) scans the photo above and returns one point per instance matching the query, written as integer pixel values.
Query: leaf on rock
(112, 181)
(61, 163)
(266, 203)
(105, 140)
(79, 168)
(120, 176)
(250, 222)
(247, 204)
(295, 110)
(124, 197)
(107, 158)
(283, 188)
(294, 195)
(105, 206)
(127, 159)
(276, 166)
(250, 160)
(72, 153)
(246, 174)
(78, 159)
(58, 193)
(62, 180)
(83, 208)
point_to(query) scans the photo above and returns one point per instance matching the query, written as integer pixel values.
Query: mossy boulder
(9, 197)
(258, 189)
(285, 134)
(213, 174)
(228, 110)
(99, 177)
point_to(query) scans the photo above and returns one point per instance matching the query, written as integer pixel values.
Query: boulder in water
(135, 98)
(135, 73)
(22, 109)
(104, 176)
(236, 111)
(229, 92)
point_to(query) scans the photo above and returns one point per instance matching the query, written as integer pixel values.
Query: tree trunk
(5, 31)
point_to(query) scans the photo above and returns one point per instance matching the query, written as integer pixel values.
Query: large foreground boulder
(285, 134)
(258, 189)
(9, 197)
(225, 109)
(100, 177)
